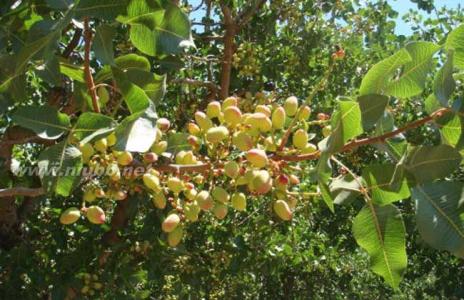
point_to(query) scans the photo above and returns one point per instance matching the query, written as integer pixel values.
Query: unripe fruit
(96, 215)
(190, 194)
(170, 223)
(294, 179)
(114, 172)
(159, 200)
(242, 180)
(261, 182)
(175, 237)
(265, 125)
(300, 139)
(278, 118)
(152, 182)
(180, 157)
(243, 141)
(291, 106)
(322, 117)
(304, 113)
(89, 196)
(150, 157)
(264, 110)
(231, 169)
(220, 211)
(101, 145)
(230, 101)
(232, 115)
(270, 144)
(213, 109)
(239, 201)
(204, 200)
(327, 130)
(255, 120)
(257, 158)
(282, 210)
(159, 147)
(310, 148)
(216, 135)
(163, 124)
(70, 216)
(189, 158)
(220, 194)
(125, 158)
(111, 139)
(193, 141)
(87, 152)
(203, 121)
(103, 95)
(99, 193)
(175, 185)
(193, 129)
(120, 195)
(191, 211)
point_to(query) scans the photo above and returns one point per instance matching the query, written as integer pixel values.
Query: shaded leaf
(103, 44)
(346, 124)
(134, 96)
(444, 84)
(455, 41)
(438, 209)
(380, 231)
(45, 121)
(372, 109)
(92, 126)
(378, 179)
(105, 9)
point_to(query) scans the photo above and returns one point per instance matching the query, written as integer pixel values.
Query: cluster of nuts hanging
(231, 158)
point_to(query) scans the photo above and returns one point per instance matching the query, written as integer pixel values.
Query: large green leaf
(91, 126)
(413, 77)
(60, 4)
(103, 44)
(135, 97)
(346, 124)
(45, 121)
(378, 179)
(380, 231)
(428, 163)
(451, 128)
(378, 77)
(152, 84)
(137, 132)
(438, 210)
(455, 41)
(324, 174)
(345, 189)
(372, 109)
(105, 9)
(60, 167)
(157, 30)
(126, 63)
(72, 71)
(444, 84)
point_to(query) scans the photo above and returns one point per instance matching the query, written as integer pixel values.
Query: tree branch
(229, 44)
(73, 43)
(21, 191)
(87, 71)
(208, 84)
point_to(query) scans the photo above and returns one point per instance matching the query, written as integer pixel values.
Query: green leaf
(324, 174)
(137, 132)
(177, 141)
(438, 209)
(156, 30)
(372, 109)
(451, 125)
(428, 163)
(45, 121)
(455, 41)
(103, 44)
(104, 9)
(126, 63)
(432, 104)
(380, 231)
(60, 167)
(152, 84)
(49, 71)
(346, 124)
(378, 179)
(92, 126)
(74, 72)
(377, 78)
(136, 99)
(444, 84)
(344, 189)
(413, 77)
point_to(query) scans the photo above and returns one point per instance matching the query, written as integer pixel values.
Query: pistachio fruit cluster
(233, 156)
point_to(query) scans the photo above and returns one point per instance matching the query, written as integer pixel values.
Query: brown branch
(21, 191)
(229, 45)
(208, 84)
(87, 71)
(73, 43)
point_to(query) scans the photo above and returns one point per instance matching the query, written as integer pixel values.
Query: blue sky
(401, 6)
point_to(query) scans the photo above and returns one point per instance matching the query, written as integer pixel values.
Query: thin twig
(87, 71)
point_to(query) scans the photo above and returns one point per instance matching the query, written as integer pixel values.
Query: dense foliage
(272, 149)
